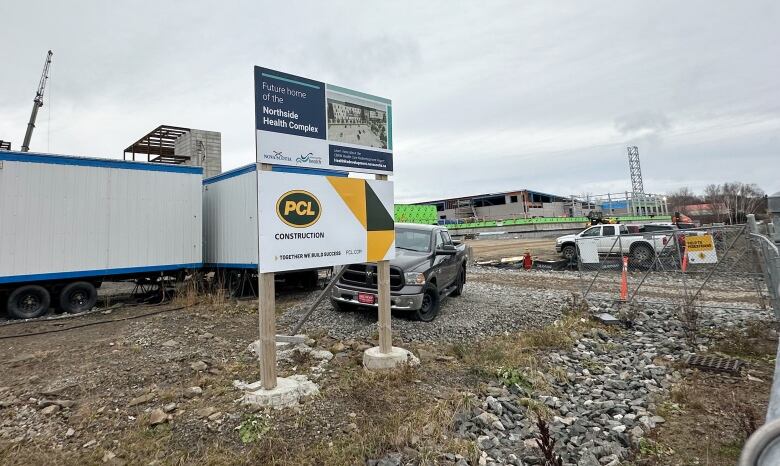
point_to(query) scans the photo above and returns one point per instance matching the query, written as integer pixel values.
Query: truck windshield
(413, 240)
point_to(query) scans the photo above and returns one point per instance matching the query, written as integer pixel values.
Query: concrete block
(289, 391)
(373, 359)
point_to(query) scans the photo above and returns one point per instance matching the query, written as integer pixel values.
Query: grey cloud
(645, 121)
(487, 96)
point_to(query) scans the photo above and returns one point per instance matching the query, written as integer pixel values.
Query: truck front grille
(365, 276)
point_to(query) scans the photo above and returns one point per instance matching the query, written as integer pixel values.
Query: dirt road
(489, 249)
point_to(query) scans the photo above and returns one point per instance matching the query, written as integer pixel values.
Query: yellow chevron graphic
(353, 192)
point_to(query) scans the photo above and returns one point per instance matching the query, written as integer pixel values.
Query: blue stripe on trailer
(230, 266)
(97, 273)
(230, 174)
(32, 157)
(276, 168)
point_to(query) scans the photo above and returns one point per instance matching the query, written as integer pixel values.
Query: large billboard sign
(308, 221)
(305, 123)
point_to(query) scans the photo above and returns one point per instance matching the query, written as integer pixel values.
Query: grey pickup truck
(428, 266)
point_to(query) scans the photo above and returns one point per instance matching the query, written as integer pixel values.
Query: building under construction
(525, 203)
(180, 146)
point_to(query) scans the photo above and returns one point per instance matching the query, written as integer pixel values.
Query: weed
(539, 409)
(688, 394)
(744, 417)
(559, 374)
(650, 448)
(667, 409)
(689, 316)
(459, 350)
(189, 293)
(576, 305)
(547, 444)
(253, 428)
(510, 376)
(754, 340)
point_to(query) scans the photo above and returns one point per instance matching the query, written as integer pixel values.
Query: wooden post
(383, 287)
(266, 308)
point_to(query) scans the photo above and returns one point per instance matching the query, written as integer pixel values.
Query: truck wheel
(430, 304)
(642, 255)
(461, 281)
(28, 301)
(78, 297)
(569, 252)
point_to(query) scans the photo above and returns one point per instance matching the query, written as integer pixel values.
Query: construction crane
(37, 103)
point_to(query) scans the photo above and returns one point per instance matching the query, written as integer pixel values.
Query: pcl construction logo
(298, 209)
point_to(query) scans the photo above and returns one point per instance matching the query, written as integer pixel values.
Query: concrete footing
(288, 392)
(373, 359)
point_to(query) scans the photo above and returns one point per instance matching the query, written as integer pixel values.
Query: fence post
(773, 206)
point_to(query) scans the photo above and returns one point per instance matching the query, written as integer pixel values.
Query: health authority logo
(298, 209)
(309, 158)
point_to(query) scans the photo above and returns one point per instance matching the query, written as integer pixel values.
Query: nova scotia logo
(277, 155)
(309, 158)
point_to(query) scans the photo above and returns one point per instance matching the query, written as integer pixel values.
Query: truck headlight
(414, 278)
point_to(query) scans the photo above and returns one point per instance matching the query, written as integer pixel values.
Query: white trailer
(230, 245)
(67, 224)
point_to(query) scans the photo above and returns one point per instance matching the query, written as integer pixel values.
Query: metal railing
(763, 446)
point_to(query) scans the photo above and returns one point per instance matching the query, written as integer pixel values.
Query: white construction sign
(310, 221)
(588, 249)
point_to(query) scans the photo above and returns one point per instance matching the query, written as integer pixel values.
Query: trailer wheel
(28, 301)
(78, 297)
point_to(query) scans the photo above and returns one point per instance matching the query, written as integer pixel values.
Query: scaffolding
(161, 143)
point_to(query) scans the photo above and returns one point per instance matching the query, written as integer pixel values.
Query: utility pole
(37, 103)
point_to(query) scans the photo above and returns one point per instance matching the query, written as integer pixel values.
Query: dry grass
(755, 340)
(688, 394)
(391, 421)
(514, 358)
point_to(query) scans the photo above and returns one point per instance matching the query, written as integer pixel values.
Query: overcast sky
(487, 96)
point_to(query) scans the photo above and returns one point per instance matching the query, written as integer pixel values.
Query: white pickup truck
(614, 239)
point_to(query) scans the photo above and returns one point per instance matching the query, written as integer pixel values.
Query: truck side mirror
(446, 250)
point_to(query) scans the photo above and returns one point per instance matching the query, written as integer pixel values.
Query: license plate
(366, 298)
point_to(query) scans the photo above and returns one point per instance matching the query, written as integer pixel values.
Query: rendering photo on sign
(308, 221)
(306, 123)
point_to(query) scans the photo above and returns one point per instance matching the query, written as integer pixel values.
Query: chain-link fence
(715, 267)
(769, 261)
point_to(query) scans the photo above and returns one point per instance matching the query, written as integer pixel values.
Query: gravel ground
(609, 397)
(487, 307)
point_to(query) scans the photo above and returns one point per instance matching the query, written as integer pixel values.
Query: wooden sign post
(266, 308)
(383, 295)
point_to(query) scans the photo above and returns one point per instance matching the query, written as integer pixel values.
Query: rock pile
(601, 397)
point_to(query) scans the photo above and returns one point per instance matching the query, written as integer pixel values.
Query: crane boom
(37, 103)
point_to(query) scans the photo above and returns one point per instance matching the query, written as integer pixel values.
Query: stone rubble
(607, 401)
